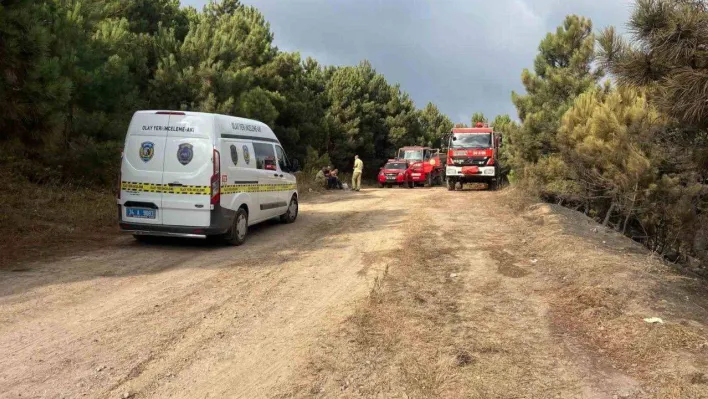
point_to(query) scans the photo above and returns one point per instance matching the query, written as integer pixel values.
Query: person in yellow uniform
(356, 176)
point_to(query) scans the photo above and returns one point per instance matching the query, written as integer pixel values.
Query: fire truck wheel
(429, 180)
(492, 185)
(411, 184)
(450, 185)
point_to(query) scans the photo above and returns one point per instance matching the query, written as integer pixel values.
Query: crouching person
(333, 180)
(321, 177)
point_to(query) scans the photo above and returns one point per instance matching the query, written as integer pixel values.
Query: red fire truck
(425, 164)
(473, 157)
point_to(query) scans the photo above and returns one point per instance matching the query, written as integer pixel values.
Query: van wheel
(291, 214)
(239, 230)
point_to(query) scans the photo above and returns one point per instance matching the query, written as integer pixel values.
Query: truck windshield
(410, 154)
(398, 165)
(471, 140)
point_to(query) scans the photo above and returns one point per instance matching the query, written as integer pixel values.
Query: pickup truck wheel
(381, 185)
(237, 235)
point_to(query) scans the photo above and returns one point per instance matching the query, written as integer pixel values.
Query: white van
(198, 175)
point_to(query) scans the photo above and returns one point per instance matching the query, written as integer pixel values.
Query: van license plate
(141, 213)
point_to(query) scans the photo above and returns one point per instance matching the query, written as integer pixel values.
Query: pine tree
(670, 55)
(435, 126)
(478, 117)
(562, 71)
(33, 89)
(606, 140)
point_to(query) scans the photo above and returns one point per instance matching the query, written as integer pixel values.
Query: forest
(617, 126)
(612, 125)
(74, 71)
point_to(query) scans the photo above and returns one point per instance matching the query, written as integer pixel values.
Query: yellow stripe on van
(256, 188)
(205, 190)
(164, 188)
(194, 190)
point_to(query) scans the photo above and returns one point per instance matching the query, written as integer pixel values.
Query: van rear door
(141, 169)
(188, 169)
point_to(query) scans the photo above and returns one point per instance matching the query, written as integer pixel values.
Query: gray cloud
(465, 56)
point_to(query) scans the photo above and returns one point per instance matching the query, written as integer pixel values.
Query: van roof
(228, 126)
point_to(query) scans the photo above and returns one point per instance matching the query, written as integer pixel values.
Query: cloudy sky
(465, 56)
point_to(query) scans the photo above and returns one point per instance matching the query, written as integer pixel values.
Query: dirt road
(286, 314)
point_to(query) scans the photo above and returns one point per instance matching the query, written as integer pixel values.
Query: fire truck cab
(425, 165)
(473, 157)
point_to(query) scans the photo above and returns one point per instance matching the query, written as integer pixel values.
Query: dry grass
(603, 286)
(38, 220)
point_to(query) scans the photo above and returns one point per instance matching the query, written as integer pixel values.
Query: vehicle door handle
(276, 175)
(175, 184)
(281, 176)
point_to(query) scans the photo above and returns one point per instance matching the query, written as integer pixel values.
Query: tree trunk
(609, 213)
(68, 125)
(631, 208)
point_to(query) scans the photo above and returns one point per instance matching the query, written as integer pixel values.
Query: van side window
(265, 156)
(282, 159)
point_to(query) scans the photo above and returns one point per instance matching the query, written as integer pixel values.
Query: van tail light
(490, 162)
(120, 174)
(215, 179)
(449, 158)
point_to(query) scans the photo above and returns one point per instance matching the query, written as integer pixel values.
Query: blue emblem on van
(147, 150)
(185, 153)
(234, 155)
(246, 155)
